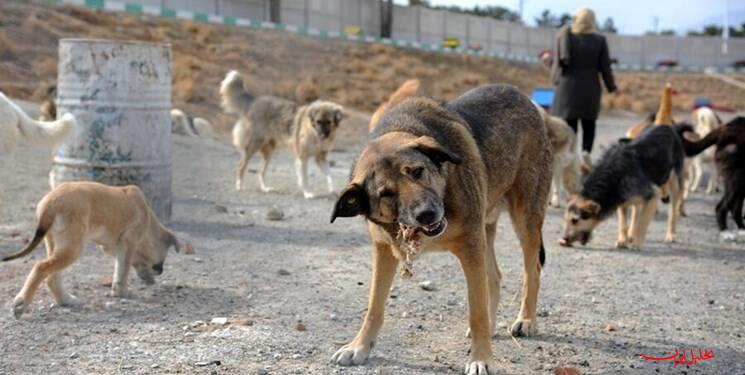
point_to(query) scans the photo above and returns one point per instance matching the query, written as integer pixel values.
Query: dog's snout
(158, 268)
(426, 217)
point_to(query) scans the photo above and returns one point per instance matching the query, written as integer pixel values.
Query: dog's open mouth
(435, 229)
(411, 232)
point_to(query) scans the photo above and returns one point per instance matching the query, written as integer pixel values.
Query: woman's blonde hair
(584, 21)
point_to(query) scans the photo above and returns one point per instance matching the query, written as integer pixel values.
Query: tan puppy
(408, 89)
(267, 122)
(118, 219)
(435, 177)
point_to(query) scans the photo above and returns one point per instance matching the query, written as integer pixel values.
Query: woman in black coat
(580, 56)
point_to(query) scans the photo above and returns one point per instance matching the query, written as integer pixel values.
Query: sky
(630, 16)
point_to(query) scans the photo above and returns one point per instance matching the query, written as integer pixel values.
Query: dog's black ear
(435, 151)
(352, 201)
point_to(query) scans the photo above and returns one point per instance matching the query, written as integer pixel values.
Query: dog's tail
(181, 123)
(39, 132)
(406, 90)
(695, 148)
(44, 223)
(664, 114)
(235, 97)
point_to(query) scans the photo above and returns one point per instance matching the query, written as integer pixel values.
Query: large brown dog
(436, 177)
(118, 219)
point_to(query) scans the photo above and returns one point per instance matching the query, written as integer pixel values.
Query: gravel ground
(266, 277)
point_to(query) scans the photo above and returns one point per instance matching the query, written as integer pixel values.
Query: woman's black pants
(588, 132)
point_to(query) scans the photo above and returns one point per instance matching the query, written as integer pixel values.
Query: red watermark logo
(684, 358)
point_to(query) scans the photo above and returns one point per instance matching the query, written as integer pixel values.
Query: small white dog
(16, 126)
(705, 120)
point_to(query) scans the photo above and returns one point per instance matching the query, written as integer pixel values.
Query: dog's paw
(524, 328)
(18, 307)
(267, 189)
(308, 195)
(622, 244)
(238, 185)
(669, 238)
(121, 293)
(481, 368)
(351, 354)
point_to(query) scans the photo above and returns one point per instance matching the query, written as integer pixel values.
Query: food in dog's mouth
(411, 242)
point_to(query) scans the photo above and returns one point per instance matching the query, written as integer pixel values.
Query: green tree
(548, 19)
(491, 11)
(609, 26)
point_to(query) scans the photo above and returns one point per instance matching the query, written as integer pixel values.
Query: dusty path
(273, 274)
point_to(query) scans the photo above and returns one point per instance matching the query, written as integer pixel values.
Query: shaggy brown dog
(436, 177)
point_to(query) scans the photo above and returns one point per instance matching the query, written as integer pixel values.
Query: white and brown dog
(266, 122)
(118, 219)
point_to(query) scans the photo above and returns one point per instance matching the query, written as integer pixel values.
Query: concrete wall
(405, 23)
(429, 26)
(251, 9)
(293, 12)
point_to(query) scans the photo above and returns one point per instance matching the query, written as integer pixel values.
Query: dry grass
(359, 76)
(7, 46)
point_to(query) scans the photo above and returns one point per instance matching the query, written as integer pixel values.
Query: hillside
(357, 75)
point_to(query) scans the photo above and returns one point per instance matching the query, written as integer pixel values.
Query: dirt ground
(357, 75)
(265, 277)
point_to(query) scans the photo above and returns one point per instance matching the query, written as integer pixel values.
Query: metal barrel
(120, 94)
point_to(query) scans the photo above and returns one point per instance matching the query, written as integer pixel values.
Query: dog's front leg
(472, 259)
(121, 273)
(323, 165)
(676, 202)
(697, 172)
(384, 269)
(301, 168)
(643, 215)
(623, 228)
